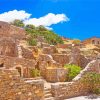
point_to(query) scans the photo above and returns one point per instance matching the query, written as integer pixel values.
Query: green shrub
(49, 36)
(93, 79)
(35, 73)
(73, 70)
(96, 90)
(32, 42)
(18, 23)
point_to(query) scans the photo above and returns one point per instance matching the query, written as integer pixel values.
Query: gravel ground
(90, 97)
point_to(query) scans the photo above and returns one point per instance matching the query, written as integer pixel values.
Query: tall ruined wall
(77, 87)
(7, 30)
(17, 33)
(61, 58)
(8, 47)
(4, 29)
(12, 87)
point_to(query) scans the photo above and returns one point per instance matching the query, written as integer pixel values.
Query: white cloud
(47, 20)
(12, 15)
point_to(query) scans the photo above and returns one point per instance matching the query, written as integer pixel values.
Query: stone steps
(50, 98)
(47, 94)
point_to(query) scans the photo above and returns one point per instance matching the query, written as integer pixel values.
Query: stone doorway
(20, 70)
(1, 65)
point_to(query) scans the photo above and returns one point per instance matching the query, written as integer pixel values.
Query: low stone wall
(56, 74)
(77, 87)
(66, 90)
(12, 87)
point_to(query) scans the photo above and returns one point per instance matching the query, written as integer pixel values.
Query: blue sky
(84, 15)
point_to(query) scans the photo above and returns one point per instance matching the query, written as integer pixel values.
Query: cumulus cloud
(46, 20)
(12, 15)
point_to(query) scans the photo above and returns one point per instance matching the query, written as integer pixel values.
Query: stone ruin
(17, 60)
(77, 87)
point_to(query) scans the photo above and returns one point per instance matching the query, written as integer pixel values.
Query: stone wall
(12, 87)
(27, 53)
(61, 58)
(8, 47)
(56, 74)
(7, 30)
(94, 40)
(13, 62)
(77, 87)
(49, 50)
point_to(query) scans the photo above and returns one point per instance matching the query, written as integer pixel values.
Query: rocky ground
(89, 97)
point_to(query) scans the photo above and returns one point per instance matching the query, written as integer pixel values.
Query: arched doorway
(19, 69)
(1, 65)
(93, 41)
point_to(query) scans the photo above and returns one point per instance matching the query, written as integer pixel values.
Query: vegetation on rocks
(73, 70)
(35, 73)
(49, 36)
(18, 23)
(76, 41)
(94, 80)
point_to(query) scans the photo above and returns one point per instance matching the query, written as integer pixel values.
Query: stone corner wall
(77, 87)
(12, 87)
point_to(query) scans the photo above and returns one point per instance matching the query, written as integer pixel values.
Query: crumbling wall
(13, 62)
(7, 30)
(8, 47)
(61, 58)
(77, 87)
(56, 74)
(12, 87)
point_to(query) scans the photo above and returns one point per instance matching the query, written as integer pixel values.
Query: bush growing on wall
(94, 80)
(35, 73)
(73, 70)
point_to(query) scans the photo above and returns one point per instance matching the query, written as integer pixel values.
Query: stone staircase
(47, 94)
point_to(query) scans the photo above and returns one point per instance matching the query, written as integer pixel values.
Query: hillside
(39, 34)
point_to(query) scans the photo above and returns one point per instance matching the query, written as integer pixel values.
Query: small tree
(18, 23)
(30, 26)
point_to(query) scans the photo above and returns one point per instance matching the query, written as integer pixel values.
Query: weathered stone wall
(17, 32)
(66, 90)
(12, 87)
(49, 50)
(8, 47)
(7, 30)
(77, 87)
(13, 62)
(56, 74)
(94, 40)
(64, 46)
(27, 53)
(61, 58)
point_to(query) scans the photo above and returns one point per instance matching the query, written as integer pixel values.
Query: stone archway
(19, 69)
(1, 65)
